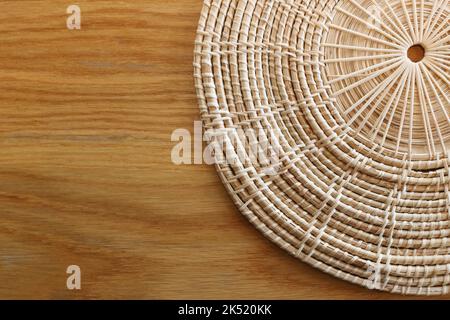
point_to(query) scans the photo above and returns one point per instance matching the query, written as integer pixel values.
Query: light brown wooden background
(85, 170)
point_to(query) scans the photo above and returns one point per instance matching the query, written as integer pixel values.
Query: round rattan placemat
(349, 102)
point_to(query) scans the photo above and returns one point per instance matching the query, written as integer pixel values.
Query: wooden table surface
(86, 173)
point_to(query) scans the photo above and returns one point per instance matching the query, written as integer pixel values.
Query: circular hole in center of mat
(416, 53)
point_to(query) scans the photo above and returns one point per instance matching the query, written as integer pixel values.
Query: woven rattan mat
(330, 127)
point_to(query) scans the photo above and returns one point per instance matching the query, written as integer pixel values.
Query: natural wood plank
(85, 125)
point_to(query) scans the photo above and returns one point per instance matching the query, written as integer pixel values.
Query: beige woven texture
(362, 127)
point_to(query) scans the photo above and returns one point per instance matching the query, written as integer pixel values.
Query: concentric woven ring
(361, 132)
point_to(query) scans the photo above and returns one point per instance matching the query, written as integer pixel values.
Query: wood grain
(85, 169)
